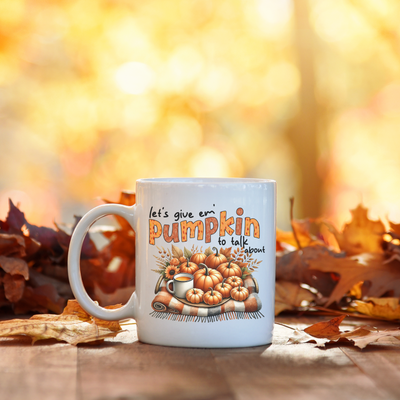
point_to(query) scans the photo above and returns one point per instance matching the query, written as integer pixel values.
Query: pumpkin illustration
(194, 295)
(224, 288)
(229, 269)
(234, 281)
(239, 293)
(214, 260)
(174, 261)
(212, 297)
(198, 258)
(206, 277)
(188, 267)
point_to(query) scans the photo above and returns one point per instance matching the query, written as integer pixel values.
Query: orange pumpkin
(239, 293)
(194, 295)
(229, 269)
(234, 281)
(198, 258)
(224, 288)
(188, 267)
(174, 261)
(212, 297)
(206, 277)
(214, 260)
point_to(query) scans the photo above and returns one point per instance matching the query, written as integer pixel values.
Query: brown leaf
(326, 329)
(15, 218)
(176, 251)
(361, 235)
(12, 245)
(73, 326)
(14, 286)
(387, 307)
(37, 279)
(226, 252)
(32, 246)
(365, 335)
(329, 332)
(14, 266)
(290, 295)
(208, 251)
(40, 299)
(364, 267)
(294, 266)
(74, 308)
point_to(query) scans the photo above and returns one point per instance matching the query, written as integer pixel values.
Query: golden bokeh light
(96, 94)
(134, 77)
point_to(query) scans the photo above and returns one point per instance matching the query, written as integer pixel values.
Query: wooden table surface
(123, 368)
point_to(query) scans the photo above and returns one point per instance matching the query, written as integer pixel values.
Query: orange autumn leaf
(371, 267)
(361, 234)
(73, 326)
(226, 252)
(326, 329)
(385, 308)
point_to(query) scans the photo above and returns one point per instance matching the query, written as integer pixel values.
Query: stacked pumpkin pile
(214, 278)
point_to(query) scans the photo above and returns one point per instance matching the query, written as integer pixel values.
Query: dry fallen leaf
(290, 295)
(327, 332)
(73, 326)
(326, 329)
(369, 267)
(295, 267)
(385, 307)
(360, 235)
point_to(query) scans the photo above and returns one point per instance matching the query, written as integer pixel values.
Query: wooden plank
(125, 368)
(381, 364)
(302, 371)
(138, 370)
(40, 371)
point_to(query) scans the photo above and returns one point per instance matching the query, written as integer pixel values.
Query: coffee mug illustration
(180, 285)
(205, 261)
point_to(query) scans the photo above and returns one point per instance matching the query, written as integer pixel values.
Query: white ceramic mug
(226, 228)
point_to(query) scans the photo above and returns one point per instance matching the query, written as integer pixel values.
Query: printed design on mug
(214, 284)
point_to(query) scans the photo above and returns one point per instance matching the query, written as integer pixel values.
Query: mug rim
(203, 181)
(184, 274)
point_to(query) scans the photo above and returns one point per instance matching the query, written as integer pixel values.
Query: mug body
(208, 222)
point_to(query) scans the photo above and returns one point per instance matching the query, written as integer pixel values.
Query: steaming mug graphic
(205, 252)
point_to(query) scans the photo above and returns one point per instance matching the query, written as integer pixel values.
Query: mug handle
(173, 287)
(74, 272)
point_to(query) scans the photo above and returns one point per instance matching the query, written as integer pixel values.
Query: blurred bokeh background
(95, 94)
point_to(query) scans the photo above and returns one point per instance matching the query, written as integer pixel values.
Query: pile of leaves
(33, 264)
(318, 268)
(353, 271)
